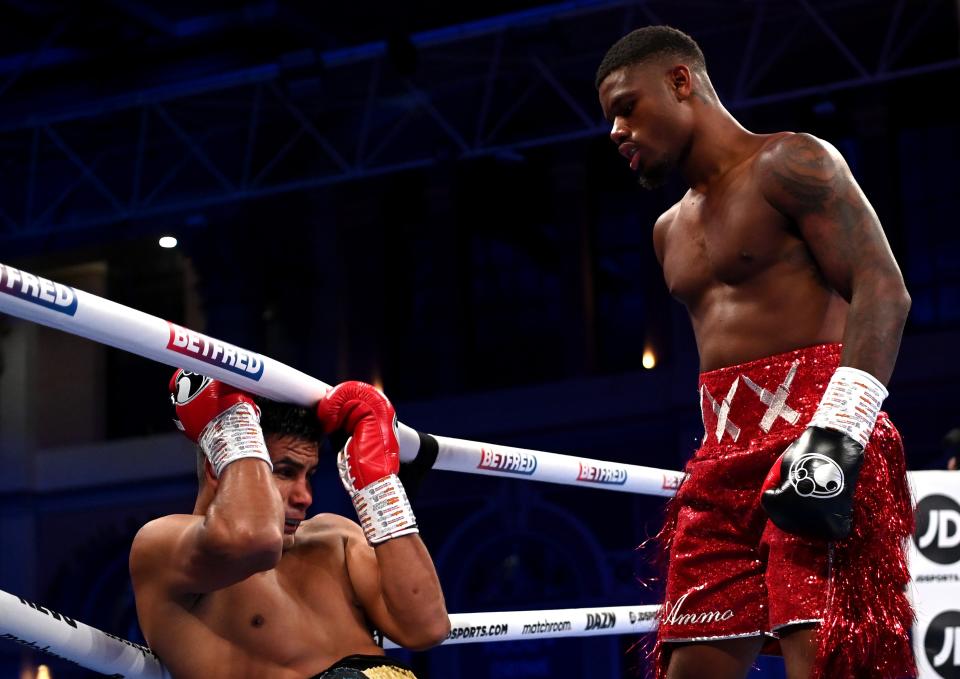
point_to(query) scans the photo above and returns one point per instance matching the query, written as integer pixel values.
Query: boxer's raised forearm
(245, 520)
(241, 529)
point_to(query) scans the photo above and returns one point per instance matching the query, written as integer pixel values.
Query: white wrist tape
(233, 434)
(384, 510)
(851, 404)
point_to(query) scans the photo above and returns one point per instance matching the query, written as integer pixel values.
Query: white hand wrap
(233, 434)
(382, 506)
(851, 404)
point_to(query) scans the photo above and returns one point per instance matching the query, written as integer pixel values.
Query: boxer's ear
(680, 81)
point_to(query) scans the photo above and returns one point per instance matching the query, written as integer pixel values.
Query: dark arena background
(421, 195)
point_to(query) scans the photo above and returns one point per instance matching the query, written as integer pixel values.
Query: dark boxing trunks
(732, 573)
(367, 667)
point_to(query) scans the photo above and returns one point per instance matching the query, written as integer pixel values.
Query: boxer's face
(294, 464)
(648, 123)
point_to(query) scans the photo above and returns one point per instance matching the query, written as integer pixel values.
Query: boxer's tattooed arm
(808, 181)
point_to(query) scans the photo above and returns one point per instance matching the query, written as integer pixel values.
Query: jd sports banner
(935, 566)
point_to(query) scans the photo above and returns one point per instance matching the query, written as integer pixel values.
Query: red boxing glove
(223, 420)
(368, 417)
(370, 459)
(197, 400)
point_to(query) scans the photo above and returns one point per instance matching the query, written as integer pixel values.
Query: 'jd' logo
(938, 529)
(941, 644)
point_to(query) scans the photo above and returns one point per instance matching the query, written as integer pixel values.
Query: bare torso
(748, 280)
(290, 622)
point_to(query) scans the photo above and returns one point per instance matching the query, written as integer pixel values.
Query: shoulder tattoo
(807, 173)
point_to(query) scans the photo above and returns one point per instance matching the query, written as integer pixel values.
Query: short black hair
(285, 419)
(280, 419)
(646, 42)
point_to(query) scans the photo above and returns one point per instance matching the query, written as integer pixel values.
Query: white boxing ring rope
(46, 302)
(45, 630)
(59, 306)
(469, 628)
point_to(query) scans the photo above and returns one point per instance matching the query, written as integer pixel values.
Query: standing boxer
(797, 307)
(245, 586)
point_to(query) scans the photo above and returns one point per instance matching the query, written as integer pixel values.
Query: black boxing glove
(809, 491)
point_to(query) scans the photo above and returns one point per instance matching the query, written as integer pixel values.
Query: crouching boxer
(245, 586)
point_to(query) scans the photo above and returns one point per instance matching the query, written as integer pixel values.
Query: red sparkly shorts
(731, 572)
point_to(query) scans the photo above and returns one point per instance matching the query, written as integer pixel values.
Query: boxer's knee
(798, 645)
(726, 659)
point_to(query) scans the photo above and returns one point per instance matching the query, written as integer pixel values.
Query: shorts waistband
(767, 396)
(366, 666)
